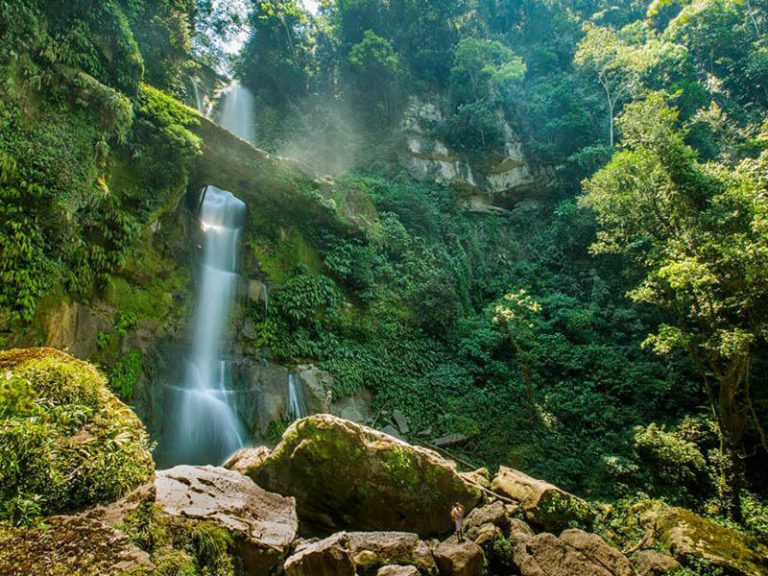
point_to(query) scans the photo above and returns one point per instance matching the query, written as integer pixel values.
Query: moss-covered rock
(65, 441)
(344, 475)
(691, 538)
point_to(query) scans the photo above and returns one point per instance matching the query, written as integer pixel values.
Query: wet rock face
(347, 476)
(263, 524)
(545, 505)
(689, 537)
(70, 545)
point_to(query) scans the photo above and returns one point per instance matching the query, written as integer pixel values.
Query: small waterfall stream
(297, 404)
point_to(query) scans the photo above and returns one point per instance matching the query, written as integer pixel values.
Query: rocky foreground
(336, 498)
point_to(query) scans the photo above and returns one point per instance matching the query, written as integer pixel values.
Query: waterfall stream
(205, 428)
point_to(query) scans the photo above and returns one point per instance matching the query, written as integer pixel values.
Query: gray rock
(264, 524)
(401, 421)
(689, 536)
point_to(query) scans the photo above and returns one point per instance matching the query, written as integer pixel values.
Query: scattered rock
(263, 524)
(246, 458)
(322, 459)
(545, 505)
(329, 557)
(398, 571)
(69, 545)
(653, 563)
(688, 536)
(371, 550)
(456, 558)
(450, 440)
(401, 421)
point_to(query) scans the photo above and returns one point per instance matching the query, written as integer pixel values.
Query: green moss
(65, 441)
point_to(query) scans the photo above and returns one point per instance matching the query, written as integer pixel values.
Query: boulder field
(338, 499)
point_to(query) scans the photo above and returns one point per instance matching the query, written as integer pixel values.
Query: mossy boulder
(65, 441)
(344, 475)
(691, 538)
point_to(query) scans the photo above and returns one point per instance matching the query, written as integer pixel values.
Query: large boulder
(690, 537)
(78, 545)
(373, 550)
(344, 475)
(546, 506)
(575, 553)
(262, 524)
(456, 558)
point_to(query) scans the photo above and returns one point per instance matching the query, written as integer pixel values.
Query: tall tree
(616, 64)
(698, 234)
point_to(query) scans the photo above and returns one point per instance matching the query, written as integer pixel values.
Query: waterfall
(265, 294)
(236, 114)
(204, 426)
(198, 97)
(297, 405)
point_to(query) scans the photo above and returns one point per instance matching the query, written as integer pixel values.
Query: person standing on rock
(457, 515)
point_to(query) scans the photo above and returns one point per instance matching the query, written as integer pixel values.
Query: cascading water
(204, 427)
(236, 114)
(297, 405)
